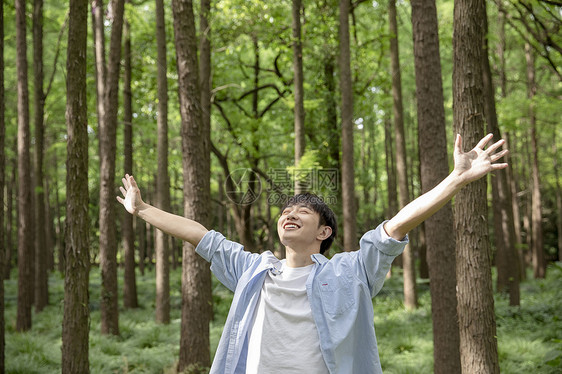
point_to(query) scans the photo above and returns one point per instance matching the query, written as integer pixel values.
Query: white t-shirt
(283, 336)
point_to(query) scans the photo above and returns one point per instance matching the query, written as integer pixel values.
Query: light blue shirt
(340, 291)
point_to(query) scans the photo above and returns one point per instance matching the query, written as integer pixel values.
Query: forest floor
(529, 336)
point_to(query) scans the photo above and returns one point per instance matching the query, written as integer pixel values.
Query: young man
(309, 314)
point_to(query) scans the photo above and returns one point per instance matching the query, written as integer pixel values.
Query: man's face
(298, 226)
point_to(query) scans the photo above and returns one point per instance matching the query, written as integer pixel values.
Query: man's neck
(297, 259)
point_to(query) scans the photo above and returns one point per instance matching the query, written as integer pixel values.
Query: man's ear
(324, 233)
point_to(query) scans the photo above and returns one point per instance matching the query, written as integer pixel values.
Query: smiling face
(299, 228)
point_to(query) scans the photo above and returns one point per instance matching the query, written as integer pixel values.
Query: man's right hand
(131, 200)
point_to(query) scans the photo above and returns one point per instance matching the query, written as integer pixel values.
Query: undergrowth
(529, 336)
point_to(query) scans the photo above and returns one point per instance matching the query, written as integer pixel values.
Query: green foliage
(528, 336)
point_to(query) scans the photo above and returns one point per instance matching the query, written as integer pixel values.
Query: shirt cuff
(208, 244)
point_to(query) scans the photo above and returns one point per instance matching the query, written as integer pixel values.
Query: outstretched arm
(469, 167)
(177, 226)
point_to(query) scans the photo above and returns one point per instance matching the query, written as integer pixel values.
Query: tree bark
(196, 279)
(478, 344)
(76, 321)
(558, 196)
(41, 276)
(60, 237)
(539, 263)
(331, 111)
(390, 169)
(163, 179)
(3, 248)
(299, 90)
(507, 262)
(347, 165)
(99, 58)
(130, 299)
(509, 173)
(10, 219)
(108, 130)
(26, 229)
(434, 167)
(410, 294)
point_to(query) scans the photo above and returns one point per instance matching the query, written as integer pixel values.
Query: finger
(123, 191)
(499, 155)
(499, 166)
(125, 183)
(482, 143)
(121, 200)
(132, 182)
(496, 145)
(458, 144)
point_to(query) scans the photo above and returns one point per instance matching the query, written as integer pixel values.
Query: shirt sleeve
(377, 250)
(228, 259)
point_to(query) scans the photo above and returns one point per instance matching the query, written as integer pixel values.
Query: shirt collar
(319, 258)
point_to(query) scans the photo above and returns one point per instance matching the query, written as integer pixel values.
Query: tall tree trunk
(539, 263)
(512, 182)
(130, 299)
(507, 262)
(558, 196)
(99, 58)
(76, 321)
(331, 111)
(410, 294)
(509, 173)
(347, 165)
(108, 132)
(390, 169)
(61, 245)
(26, 224)
(525, 179)
(434, 167)
(10, 220)
(141, 237)
(299, 90)
(162, 179)
(49, 228)
(41, 276)
(478, 344)
(501, 53)
(196, 278)
(205, 77)
(3, 248)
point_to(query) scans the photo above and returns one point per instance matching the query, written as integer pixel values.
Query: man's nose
(291, 215)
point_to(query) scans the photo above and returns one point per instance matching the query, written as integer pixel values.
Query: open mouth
(291, 226)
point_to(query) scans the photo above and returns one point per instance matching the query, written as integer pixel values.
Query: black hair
(317, 204)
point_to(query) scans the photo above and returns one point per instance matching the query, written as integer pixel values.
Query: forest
(222, 110)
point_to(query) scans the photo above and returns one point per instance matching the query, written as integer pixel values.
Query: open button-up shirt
(340, 291)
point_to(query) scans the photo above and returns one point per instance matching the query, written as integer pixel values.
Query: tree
(478, 345)
(507, 259)
(434, 167)
(2, 183)
(76, 321)
(162, 179)
(558, 199)
(300, 141)
(99, 57)
(41, 276)
(410, 294)
(107, 131)
(347, 165)
(25, 205)
(196, 277)
(539, 263)
(130, 299)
